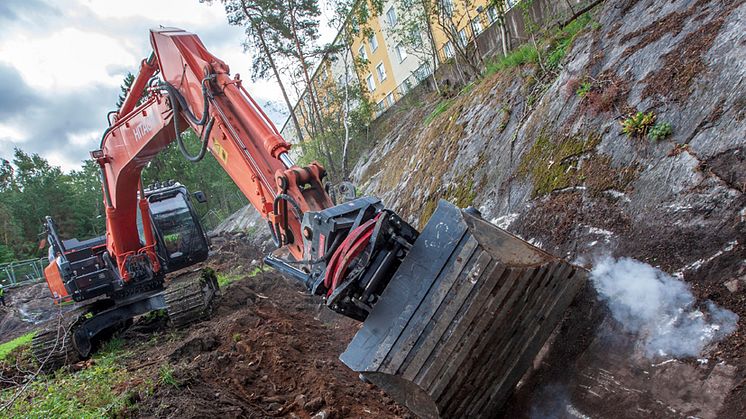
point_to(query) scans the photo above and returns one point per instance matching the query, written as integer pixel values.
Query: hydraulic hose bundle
(179, 103)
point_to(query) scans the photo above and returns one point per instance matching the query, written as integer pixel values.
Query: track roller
(191, 300)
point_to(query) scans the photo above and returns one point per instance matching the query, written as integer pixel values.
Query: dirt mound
(265, 352)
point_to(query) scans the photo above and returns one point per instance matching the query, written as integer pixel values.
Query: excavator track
(53, 347)
(189, 301)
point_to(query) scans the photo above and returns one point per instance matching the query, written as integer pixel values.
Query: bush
(660, 131)
(584, 89)
(638, 125)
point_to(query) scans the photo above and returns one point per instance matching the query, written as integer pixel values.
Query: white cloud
(86, 138)
(66, 60)
(166, 11)
(11, 134)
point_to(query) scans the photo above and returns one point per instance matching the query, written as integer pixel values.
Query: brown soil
(269, 350)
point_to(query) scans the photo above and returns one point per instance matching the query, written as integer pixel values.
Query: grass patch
(527, 53)
(101, 390)
(442, 107)
(226, 278)
(564, 38)
(10, 346)
(524, 54)
(166, 376)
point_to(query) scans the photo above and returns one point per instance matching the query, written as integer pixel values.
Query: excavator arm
(189, 87)
(453, 315)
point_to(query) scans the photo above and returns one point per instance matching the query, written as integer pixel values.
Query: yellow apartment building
(385, 69)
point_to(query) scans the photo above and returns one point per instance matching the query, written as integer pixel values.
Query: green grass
(166, 376)
(527, 53)
(442, 107)
(226, 278)
(9, 346)
(100, 390)
(524, 54)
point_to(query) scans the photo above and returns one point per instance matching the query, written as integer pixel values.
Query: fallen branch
(580, 13)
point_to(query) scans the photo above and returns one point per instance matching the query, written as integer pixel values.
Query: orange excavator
(453, 315)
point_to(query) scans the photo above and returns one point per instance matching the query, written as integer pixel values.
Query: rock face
(551, 165)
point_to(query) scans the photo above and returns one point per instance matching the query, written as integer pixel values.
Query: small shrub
(584, 88)
(237, 337)
(660, 131)
(638, 125)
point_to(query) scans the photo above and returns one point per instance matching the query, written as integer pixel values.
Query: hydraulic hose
(179, 103)
(180, 141)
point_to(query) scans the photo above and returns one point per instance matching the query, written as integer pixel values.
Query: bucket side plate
(463, 317)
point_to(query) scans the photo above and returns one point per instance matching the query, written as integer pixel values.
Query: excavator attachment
(462, 318)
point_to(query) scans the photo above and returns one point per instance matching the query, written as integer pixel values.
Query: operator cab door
(181, 239)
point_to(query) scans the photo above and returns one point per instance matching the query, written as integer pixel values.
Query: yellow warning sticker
(220, 152)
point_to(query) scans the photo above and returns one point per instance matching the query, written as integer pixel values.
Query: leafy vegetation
(442, 107)
(565, 37)
(660, 131)
(584, 89)
(100, 390)
(637, 125)
(10, 346)
(226, 278)
(166, 376)
(559, 44)
(525, 54)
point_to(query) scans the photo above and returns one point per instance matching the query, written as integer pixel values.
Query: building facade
(387, 59)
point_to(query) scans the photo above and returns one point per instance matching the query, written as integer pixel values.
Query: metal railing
(23, 272)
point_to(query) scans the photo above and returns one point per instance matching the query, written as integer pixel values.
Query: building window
(381, 72)
(390, 99)
(492, 14)
(404, 87)
(447, 7)
(381, 106)
(476, 26)
(401, 52)
(361, 53)
(448, 50)
(371, 83)
(373, 42)
(462, 39)
(391, 17)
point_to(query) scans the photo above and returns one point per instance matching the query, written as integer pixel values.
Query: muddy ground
(268, 350)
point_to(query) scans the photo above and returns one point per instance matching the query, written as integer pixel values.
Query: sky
(62, 63)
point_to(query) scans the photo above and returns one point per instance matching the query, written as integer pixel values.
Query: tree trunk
(346, 116)
(304, 66)
(260, 33)
(433, 49)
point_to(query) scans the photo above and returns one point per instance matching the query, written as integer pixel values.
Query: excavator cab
(181, 239)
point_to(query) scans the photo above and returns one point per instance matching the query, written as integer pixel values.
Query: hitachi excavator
(452, 316)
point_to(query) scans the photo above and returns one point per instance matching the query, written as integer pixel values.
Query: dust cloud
(659, 308)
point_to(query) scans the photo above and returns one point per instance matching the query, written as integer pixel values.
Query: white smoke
(659, 308)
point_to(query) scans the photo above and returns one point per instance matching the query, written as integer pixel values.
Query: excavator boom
(452, 316)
